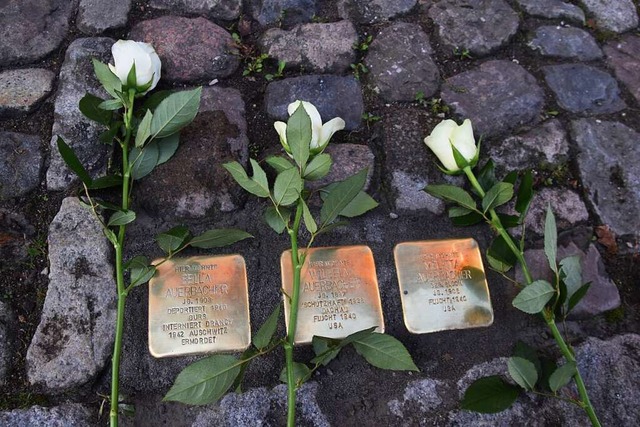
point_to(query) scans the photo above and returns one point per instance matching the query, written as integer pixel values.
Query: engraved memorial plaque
(442, 285)
(338, 292)
(199, 305)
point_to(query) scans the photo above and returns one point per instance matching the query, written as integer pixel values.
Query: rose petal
(328, 129)
(281, 128)
(463, 140)
(439, 143)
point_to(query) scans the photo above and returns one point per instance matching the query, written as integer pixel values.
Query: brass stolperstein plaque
(442, 285)
(199, 305)
(338, 292)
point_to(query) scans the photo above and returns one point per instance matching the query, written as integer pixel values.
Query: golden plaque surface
(442, 285)
(199, 305)
(338, 292)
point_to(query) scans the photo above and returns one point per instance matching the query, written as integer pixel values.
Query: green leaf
(70, 158)
(309, 222)
(551, 239)
(548, 368)
(329, 227)
(273, 219)
(360, 204)
(571, 271)
(143, 160)
(89, 107)
(509, 221)
(498, 265)
(175, 112)
(264, 335)
(523, 372)
(577, 296)
(238, 173)
(524, 351)
(452, 193)
(498, 195)
(562, 376)
(108, 135)
(259, 175)
(511, 178)
(204, 381)
(173, 239)
(299, 135)
(467, 220)
(460, 160)
(152, 102)
(132, 81)
(385, 352)
(121, 218)
(246, 358)
(166, 147)
(458, 211)
(140, 270)
(340, 195)
(219, 238)
(287, 187)
(105, 182)
(318, 167)
(301, 373)
(111, 104)
(110, 82)
(279, 163)
(500, 251)
(325, 349)
(144, 129)
(489, 395)
(525, 194)
(487, 175)
(534, 297)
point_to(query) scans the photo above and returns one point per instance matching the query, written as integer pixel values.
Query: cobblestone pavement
(551, 85)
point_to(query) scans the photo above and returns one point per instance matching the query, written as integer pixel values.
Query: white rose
(126, 53)
(447, 134)
(320, 133)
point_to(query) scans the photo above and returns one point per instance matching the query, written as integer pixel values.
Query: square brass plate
(199, 305)
(338, 292)
(442, 285)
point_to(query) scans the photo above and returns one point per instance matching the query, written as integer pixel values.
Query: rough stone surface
(15, 235)
(20, 164)
(334, 96)
(190, 49)
(97, 16)
(420, 396)
(321, 48)
(22, 90)
(76, 79)
(409, 164)
(567, 206)
(217, 9)
(480, 26)
(624, 57)
(608, 163)
(613, 15)
(67, 415)
(584, 89)
(602, 295)
(513, 94)
(348, 159)
(544, 146)
(74, 339)
(194, 182)
(288, 12)
(565, 42)
(400, 64)
(6, 340)
(552, 9)
(32, 30)
(372, 11)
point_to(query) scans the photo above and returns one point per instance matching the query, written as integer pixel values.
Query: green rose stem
(119, 248)
(585, 403)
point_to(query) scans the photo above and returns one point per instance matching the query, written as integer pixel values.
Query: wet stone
(15, 235)
(583, 89)
(333, 96)
(76, 79)
(190, 49)
(193, 182)
(32, 30)
(544, 146)
(287, 12)
(613, 15)
(624, 57)
(373, 11)
(480, 26)
(98, 16)
(552, 9)
(20, 164)
(216, 9)
(6, 340)
(66, 415)
(74, 339)
(321, 48)
(348, 159)
(400, 64)
(609, 170)
(513, 94)
(21, 90)
(565, 42)
(567, 206)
